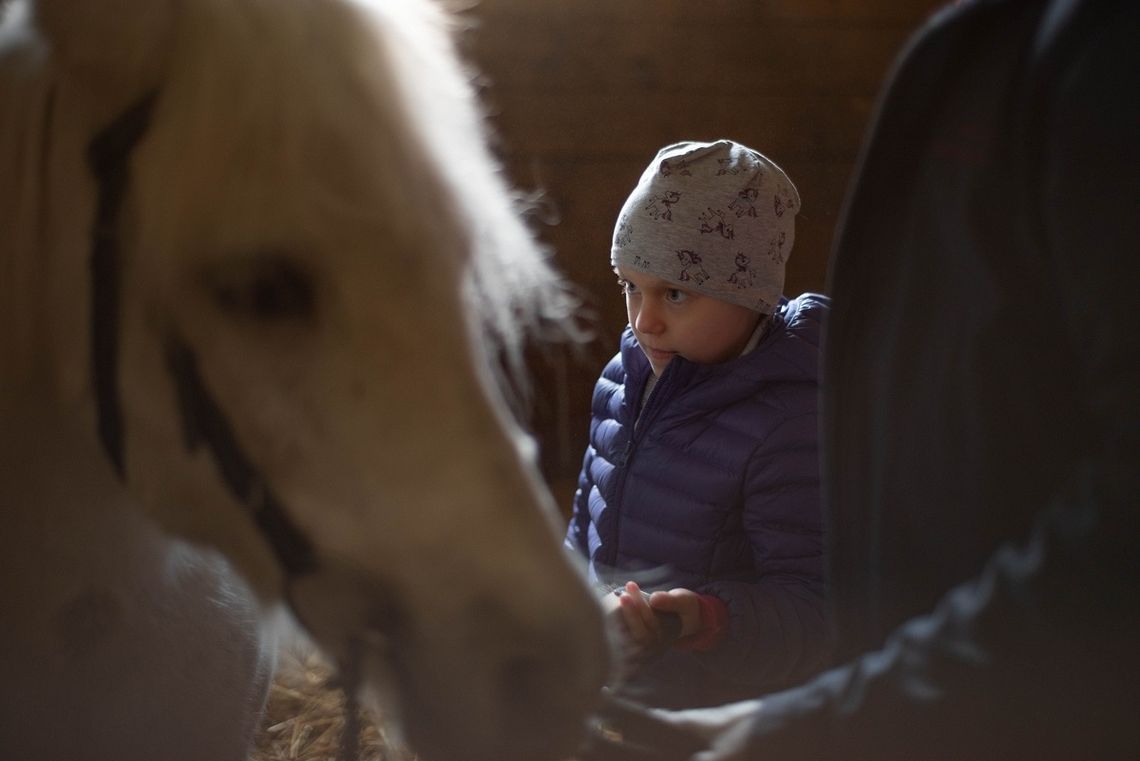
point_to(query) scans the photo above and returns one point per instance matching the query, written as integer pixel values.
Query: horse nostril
(522, 680)
(540, 681)
(528, 692)
(541, 695)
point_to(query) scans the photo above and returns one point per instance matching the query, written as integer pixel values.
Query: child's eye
(675, 295)
(626, 286)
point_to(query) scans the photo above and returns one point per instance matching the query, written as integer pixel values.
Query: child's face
(669, 321)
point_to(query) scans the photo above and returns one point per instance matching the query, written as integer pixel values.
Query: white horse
(256, 265)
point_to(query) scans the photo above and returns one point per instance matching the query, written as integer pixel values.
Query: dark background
(582, 93)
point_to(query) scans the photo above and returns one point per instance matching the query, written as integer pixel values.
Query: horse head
(262, 248)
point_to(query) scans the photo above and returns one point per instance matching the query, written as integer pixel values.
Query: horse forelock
(327, 126)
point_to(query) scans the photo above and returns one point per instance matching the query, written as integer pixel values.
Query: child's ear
(115, 48)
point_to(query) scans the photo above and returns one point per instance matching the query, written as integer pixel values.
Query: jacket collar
(637, 367)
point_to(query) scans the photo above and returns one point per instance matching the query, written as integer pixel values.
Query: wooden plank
(752, 59)
(726, 12)
(607, 125)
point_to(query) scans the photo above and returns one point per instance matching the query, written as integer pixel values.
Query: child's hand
(642, 628)
(685, 603)
(637, 612)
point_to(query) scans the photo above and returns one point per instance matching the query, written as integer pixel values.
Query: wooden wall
(582, 93)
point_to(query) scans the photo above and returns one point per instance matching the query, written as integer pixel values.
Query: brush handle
(670, 625)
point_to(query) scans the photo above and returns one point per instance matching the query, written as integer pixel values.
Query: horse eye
(265, 287)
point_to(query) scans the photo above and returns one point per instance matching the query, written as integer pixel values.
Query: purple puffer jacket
(718, 491)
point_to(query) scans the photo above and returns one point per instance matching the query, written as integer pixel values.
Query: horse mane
(512, 283)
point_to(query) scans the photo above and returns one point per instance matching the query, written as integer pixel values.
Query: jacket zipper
(640, 424)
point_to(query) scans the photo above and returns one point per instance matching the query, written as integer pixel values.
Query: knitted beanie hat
(714, 218)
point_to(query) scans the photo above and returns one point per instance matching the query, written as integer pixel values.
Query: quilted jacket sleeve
(576, 532)
(778, 628)
(595, 467)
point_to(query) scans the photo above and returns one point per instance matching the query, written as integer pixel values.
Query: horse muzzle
(479, 682)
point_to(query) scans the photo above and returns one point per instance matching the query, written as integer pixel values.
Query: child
(701, 477)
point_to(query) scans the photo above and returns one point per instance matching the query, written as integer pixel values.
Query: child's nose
(648, 319)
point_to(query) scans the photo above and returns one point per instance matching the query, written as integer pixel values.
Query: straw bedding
(305, 717)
